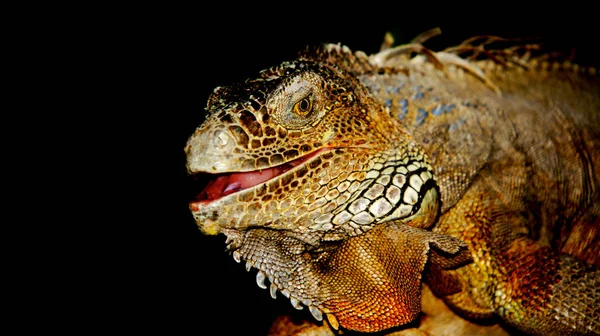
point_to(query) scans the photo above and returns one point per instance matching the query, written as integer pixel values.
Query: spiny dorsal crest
(338, 55)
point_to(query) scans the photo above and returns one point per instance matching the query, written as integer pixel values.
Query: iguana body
(349, 180)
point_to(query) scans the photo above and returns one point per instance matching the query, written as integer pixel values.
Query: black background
(178, 280)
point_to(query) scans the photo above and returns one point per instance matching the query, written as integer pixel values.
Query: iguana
(351, 180)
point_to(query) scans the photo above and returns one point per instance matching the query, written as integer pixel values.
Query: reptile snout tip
(208, 151)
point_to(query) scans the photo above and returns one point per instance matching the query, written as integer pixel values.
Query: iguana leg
(437, 319)
(529, 285)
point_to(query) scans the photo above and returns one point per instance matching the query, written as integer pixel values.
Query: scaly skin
(478, 178)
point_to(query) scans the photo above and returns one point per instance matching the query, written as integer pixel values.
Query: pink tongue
(228, 184)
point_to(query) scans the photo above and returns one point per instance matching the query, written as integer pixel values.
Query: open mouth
(215, 186)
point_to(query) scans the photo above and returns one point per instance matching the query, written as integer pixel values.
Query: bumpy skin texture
(349, 180)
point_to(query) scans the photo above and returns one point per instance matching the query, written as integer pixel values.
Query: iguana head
(302, 163)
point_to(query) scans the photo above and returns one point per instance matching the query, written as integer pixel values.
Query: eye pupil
(304, 104)
(303, 107)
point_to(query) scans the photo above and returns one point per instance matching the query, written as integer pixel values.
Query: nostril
(221, 139)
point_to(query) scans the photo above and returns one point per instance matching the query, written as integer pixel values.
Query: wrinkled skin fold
(369, 283)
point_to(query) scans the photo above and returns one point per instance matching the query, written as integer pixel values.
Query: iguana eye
(303, 107)
(298, 101)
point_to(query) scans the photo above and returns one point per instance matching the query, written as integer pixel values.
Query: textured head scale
(307, 110)
(259, 117)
